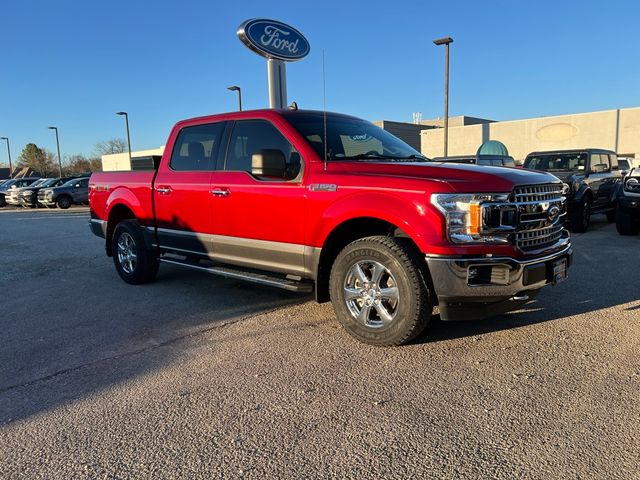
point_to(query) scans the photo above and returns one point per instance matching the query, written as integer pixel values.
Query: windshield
(350, 138)
(39, 183)
(559, 162)
(47, 182)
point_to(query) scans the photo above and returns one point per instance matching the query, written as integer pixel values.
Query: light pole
(126, 121)
(58, 144)
(445, 41)
(9, 153)
(235, 88)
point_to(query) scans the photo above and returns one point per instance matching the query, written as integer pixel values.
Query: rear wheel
(63, 202)
(581, 216)
(626, 224)
(134, 262)
(379, 292)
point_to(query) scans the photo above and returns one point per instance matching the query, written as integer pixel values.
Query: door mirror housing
(269, 162)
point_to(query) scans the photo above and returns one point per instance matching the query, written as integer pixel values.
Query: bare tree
(113, 145)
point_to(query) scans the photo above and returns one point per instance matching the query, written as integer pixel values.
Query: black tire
(135, 262)
(64, 202)
(399, 292)
(626, 224)
(581, 216)
(611, 215)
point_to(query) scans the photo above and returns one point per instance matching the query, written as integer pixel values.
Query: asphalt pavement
(195, 376)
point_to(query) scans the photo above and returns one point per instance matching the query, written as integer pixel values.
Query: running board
(236, 274)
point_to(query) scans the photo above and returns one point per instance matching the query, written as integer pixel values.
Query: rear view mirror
(268, 162)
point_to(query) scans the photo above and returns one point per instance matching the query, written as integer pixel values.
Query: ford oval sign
(273, 39)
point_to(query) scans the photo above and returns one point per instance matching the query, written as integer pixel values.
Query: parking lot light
(9, 153)
(126, 121)
(445, 41)
(58, 145)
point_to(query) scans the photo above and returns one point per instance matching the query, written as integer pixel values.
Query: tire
(63, 202)
(581, 216)
(379, 292)
(626, 224)
(611, 215)
(134, 261)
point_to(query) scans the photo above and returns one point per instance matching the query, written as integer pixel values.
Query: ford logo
(273, 39)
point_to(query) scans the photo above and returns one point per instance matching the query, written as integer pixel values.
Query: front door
(258, 221)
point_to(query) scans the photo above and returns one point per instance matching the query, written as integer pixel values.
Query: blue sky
(74, 64)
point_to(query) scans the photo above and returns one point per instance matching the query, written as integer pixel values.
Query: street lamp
(8, 152)
(235, 88)
(445, 41)
(126, 120)
(58, 144)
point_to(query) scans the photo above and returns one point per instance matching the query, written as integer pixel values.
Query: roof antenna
(324, 110)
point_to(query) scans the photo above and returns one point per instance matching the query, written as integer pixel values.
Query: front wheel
(379, 292)
(134, 262)
(581, 216)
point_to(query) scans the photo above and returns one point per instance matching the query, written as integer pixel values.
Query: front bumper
(476, 288)
(629, 203)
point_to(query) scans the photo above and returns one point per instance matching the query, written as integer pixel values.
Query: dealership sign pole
(278, 43)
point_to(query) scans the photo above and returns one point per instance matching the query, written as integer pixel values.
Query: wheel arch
(117, 214)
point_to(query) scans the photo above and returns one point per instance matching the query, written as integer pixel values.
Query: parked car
(74, 191)
(305, 201)
(13, 184)
(488, 160)
(592, 181)
(12, 196)
(627, 164)
(28, 196)
(628, 213)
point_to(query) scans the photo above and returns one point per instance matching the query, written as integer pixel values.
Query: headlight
(464, 217)
(632, 185)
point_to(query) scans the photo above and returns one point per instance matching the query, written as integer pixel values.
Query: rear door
(182, 190)
(597, 181)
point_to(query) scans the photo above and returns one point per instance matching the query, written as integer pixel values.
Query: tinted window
(613, 158)
(196, 147)
(623, 164)
(251, 136)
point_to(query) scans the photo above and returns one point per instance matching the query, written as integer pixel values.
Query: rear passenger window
(251, 136)
(196, 147)
(614, 161)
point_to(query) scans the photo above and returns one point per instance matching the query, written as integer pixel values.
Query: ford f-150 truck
(324, 202)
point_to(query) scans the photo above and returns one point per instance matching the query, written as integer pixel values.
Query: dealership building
(617, 130)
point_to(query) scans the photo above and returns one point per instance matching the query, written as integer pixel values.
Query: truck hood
(463, 178)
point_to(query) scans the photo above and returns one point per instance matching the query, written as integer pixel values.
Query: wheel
(63, 202)
(379, 292)
(626, 224)
(611, 215)
(581, 216)
(134, 262)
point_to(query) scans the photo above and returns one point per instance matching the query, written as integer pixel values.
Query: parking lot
(195, 376)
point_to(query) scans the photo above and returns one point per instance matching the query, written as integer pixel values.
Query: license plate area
(557, 271)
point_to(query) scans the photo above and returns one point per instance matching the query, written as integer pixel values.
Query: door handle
(163, 190)
(220, 192)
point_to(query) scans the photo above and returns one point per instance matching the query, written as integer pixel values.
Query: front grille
(541, 215)
(538, 193)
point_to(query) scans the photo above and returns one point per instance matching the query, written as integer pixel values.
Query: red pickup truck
(361, 219)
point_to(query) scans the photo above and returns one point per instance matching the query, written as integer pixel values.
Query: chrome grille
(538, 193)
(535, 229)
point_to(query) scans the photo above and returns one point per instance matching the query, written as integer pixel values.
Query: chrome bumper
(475, 288)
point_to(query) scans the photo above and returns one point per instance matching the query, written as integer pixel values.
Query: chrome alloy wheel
(371, 294)
(127, 253)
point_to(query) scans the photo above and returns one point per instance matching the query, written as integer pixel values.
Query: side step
(303, 286)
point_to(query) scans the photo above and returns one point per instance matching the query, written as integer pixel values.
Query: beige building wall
(120, 161)
(617, 130)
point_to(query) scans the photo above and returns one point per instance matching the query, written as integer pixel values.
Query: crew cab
(628, 213)
(591, 179)
(329, 203)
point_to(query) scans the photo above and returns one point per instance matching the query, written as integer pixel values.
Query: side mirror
(268, 162)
